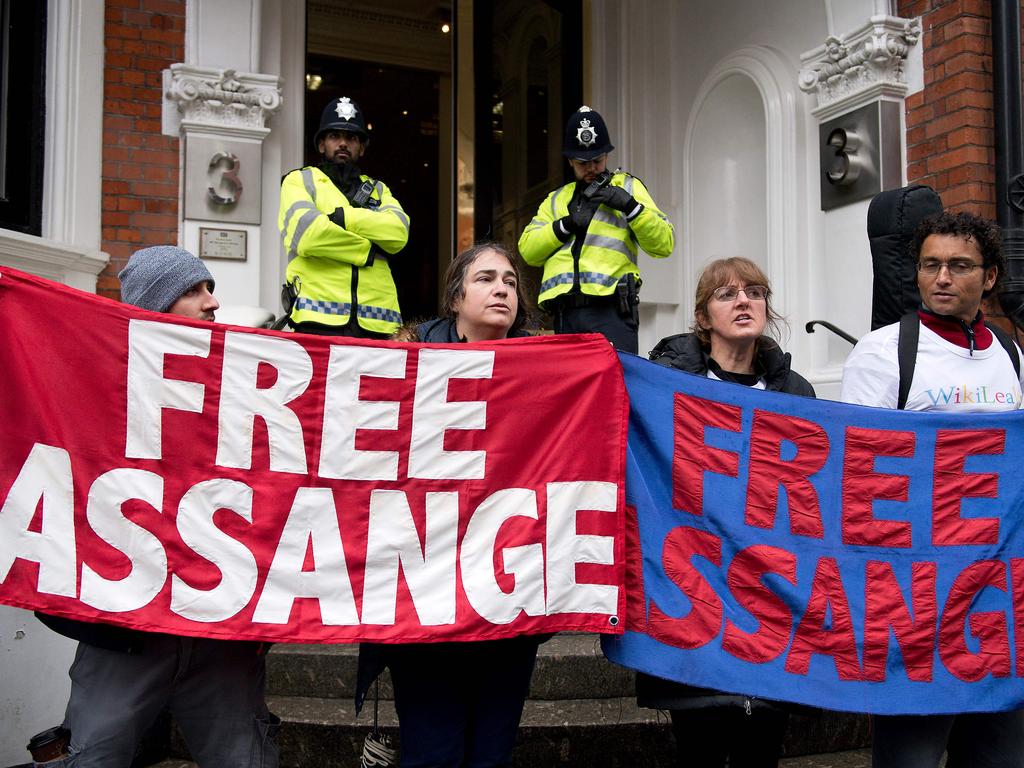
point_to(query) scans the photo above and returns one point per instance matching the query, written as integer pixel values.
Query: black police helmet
(586, 136)
(341, 114)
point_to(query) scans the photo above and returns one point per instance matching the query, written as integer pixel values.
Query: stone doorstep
(577, 733)
(859, 758)
(569, 666)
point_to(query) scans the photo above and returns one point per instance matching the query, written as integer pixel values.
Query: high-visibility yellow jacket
(337, 268)
(609, 249)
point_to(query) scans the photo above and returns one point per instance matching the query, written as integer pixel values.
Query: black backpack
(892, 218)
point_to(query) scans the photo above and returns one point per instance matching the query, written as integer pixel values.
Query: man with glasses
(586, 234)
(958, 364)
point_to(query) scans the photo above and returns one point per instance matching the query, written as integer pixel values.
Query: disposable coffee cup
(49, 745)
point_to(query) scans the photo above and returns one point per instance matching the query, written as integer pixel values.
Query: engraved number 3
(228, 178)
(845, 166)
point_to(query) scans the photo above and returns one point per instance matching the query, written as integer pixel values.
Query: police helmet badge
(586, 134)
(345, 108)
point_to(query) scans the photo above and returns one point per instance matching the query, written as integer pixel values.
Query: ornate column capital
(222, 101)
(858, 67)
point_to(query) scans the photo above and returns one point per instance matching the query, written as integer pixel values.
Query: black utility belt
(579, 300)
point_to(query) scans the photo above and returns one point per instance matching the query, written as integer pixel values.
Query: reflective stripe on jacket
(337, 267)
(609, 248)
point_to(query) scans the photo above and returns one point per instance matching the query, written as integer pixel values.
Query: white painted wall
(661, 70)
(34, 660)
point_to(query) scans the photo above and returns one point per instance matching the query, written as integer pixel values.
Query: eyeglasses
(957, 268)
(730, 292)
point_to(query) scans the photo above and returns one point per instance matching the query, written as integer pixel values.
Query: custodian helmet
(586, 135)
(341, 114)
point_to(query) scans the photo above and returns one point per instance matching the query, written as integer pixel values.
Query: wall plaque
(224, 244)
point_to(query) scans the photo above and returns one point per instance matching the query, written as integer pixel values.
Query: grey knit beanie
(158, 276)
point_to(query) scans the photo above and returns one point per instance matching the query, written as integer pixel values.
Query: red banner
(201, 479)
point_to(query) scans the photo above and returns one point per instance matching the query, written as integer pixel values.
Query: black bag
(892, 218)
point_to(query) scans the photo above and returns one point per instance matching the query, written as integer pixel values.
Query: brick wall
(950, 137)
(140, 166)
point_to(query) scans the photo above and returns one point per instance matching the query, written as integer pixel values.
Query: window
(22, 113)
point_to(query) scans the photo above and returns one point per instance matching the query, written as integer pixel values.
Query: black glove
(338, 217)
(617, 198)
(581, 211)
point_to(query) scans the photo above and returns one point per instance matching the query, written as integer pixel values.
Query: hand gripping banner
(200, 479)
(851, 558)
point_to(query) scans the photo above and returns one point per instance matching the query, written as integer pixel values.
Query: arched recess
(741, 177)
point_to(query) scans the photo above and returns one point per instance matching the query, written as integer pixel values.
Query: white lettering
(148, 391)
(433, 414)
(232, 558)
(566, 548)
(429, 569)
(144, 551)
(45, 476)
(524, 563)
(312, 522)
(241, 401)
(344, 413)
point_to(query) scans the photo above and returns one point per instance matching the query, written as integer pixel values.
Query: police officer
(585, 235)
(339, 228)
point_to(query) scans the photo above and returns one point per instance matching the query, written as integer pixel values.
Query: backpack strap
(910, 330)
(1008, 345)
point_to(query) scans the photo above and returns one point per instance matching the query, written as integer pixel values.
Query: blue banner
(850, 558)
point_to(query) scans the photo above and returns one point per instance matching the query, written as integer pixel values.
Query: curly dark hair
(986, 236)
(456, 274)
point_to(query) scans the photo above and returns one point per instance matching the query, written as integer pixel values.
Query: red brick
(158, 157)
(160, 237)
(116, 219)
(939, 16)
(915, 171)
(955, 157)
(927, 149)
(116, 61)
(914, 100)
(968, 99)
(155, 221)
(967, 62)
(120, 31)
(154, 189)
(117, 154)
(169, 7)
(117, 123)
(125, 203)
(921, 115)
(970, 135)
(115, 187)
(118, 91)
(148, 126)
(113, 14)
(129, 235)
(152, 65)
(973, 172)
(160, 205)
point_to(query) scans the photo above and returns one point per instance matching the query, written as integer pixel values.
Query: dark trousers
(459, 704)
(713, 737)
(600, 317)
(977, 740)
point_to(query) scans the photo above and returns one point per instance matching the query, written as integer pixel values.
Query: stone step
(568, 667)
(568, 734)
(858, 758)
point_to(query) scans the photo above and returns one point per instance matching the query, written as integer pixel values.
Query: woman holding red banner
(459, 704)
(727, 342)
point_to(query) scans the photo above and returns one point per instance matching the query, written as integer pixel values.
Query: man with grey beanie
(122, 679)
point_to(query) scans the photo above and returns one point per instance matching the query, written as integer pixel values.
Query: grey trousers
(213, 688)
(977, 740)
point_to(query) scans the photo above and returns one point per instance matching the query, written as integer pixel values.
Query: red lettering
(775, 619)
(862, 486)
(828, 598)
(704, 621)
(989, 626)
(768, 471)
(1017, 580)
(885, 608)
(952, 485)
(692, 456)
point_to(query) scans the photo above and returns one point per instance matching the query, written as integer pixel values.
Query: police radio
(601, 181)
(362, 199)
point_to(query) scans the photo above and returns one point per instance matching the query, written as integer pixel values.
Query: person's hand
(615, 197)
(581, 213)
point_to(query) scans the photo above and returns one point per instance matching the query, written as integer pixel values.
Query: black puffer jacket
(684, 352)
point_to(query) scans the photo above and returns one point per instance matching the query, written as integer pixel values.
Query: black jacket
(684, 352)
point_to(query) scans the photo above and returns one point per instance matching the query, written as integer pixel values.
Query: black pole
(1009, 140)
